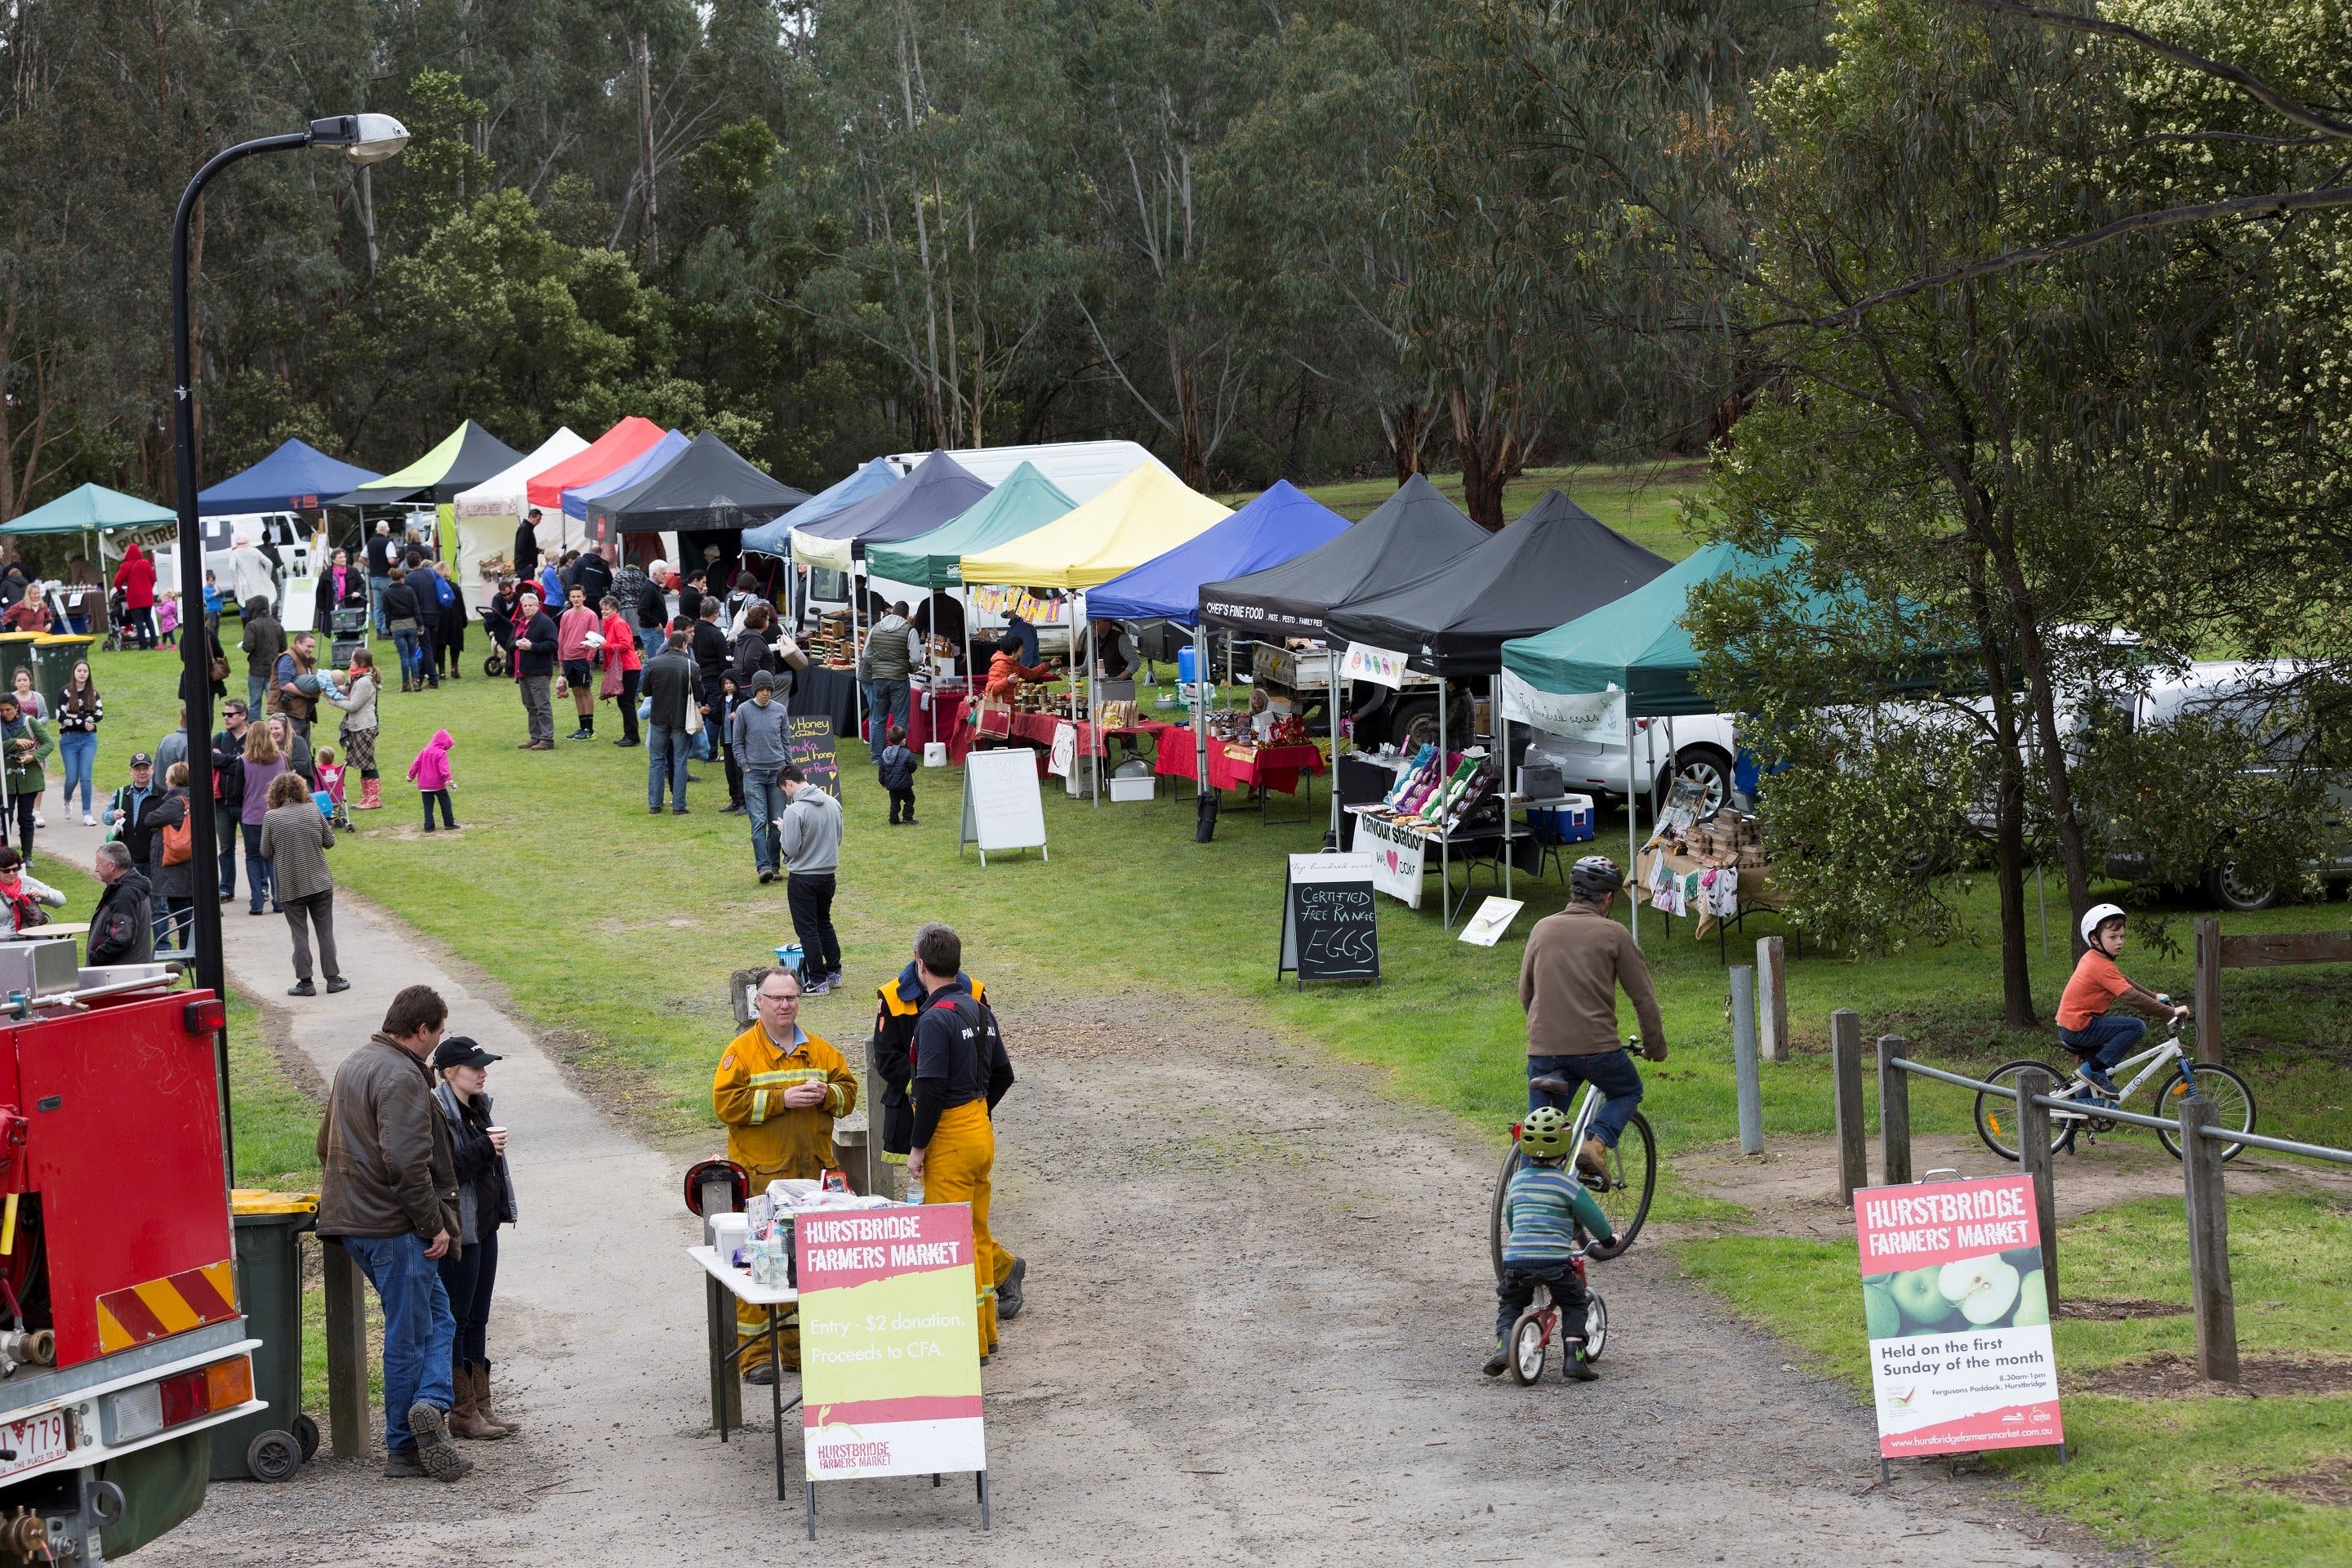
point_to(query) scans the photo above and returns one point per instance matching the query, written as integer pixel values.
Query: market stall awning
(936, 490)
(506, 494)
(1555, 560)
(1148, 513)
(1079, 470)
(774, 537)
(1415, 530)
(645, 465)
(90, 509)
(1279, 525)
(616, 446)
(1636, 645)
(1026, 501)
(297, 476)
(465, 456)
(709, 486)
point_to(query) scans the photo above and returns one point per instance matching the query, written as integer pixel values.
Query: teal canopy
(90, 509)
(1636, 643)
(1024, 502)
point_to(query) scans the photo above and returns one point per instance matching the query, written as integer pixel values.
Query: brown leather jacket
(385, 1149)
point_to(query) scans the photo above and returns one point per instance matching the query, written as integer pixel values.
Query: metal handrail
(2053, 1102)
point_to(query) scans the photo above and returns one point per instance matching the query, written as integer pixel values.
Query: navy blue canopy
(297, 476)
(1281, 523)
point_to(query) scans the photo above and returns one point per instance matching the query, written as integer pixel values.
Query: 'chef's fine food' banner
(890, 1344)
(1959, 1308)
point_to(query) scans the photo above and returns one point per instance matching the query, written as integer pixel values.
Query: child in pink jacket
(430, 772)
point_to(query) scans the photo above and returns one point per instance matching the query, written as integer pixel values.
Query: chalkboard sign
(1329, 931)
(808, 743)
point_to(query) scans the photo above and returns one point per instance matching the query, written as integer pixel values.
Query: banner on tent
(1000, 601)
(1595, 716)
(1380, 665)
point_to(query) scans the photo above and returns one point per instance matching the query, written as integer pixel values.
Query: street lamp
(364, 139)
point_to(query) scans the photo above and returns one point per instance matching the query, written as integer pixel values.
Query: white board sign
(301, 607)
(1396, 853)
(1595, 716)
(1001, 806)
(1493, 918)
(1379, 665)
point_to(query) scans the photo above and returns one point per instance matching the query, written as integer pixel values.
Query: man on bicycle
(2085, 1026)
(1575, 962)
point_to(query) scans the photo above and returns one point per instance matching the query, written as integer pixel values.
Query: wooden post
(2208, 999)
(1772, 996)
(347, 1370)
(2033, 1159)
(1894, 1113)
(1845, 1073)
(718, 1312)
(2209, 1242)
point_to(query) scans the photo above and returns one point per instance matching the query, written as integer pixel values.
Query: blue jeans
(256, 866)
(256, 688)
(763, 801)
(2105, 1041)
(417, 1328)
(376, 585)
(79, 749)
(1611, 1073)
(893, 701)
(866, 696)
(411, 656)
(665, 751)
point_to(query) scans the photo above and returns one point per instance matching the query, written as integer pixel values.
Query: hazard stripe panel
(172, 1305)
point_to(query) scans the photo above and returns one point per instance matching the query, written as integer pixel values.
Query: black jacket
(670, 681)
(399, 600)
(229, 771)
(652, 608)
(120, 931)
(752, 655)
(380, 547)
(526, 550)
(539, 658)
(712, 655)
(486, 1198)
(960, 1057)
(592, 573)
(897, 1007)
(168, 809)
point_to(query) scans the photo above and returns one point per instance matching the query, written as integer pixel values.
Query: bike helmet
(1544, 1131)
(2098, 915)
(1594, 877)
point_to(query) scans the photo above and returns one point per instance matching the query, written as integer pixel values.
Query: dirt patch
(2330, 1486)
(278, 1038)
(2172, 1376)
(2119, 1311)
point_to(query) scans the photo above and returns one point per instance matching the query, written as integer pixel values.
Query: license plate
(35, 1441)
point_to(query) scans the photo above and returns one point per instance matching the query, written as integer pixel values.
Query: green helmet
(1544, 1131)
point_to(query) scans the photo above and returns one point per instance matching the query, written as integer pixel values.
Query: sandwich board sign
(1329, 929)
(808, 741)
(1958, 1313)
(889, 1345)
(1001, 808)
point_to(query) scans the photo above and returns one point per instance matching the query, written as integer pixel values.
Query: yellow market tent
(1144, 515)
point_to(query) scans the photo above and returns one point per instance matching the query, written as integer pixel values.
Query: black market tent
(1556, 563)
(465, 457)
(708, 487)
(1413, 533)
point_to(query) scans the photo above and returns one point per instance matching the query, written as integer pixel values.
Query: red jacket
(136, 578)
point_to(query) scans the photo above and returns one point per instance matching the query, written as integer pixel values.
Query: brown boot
(482, 1402)
(1592, 1160)
(466, 1412)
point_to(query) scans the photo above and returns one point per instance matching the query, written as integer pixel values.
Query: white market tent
(1079, 470)
(488, 514)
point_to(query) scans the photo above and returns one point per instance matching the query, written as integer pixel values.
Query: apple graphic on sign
(1984, 1289)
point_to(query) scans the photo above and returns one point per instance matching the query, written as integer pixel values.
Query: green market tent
(465, 457)
(1024, 502)
(1636, 643)
(91, 509)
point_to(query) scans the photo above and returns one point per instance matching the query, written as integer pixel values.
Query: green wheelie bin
(15, 654)
(55, 654)
(270, 1445)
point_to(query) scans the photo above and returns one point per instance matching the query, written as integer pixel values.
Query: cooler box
(1133, 780)
(1568, 823)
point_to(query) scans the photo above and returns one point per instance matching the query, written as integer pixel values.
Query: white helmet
(2098, 915)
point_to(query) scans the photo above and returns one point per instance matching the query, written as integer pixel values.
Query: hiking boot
(401, 1465)
(1592, 1159)
(1573, 1366)
(766, 877)
(1008, 1294)
(337, 982)
(301, 988)
(763, 1374)
(434, 1450)
(1499, 1362)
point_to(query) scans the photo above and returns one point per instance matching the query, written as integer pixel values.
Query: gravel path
(1257, 1297)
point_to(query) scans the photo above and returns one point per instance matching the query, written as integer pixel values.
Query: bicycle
(1997, 1117)
(1534, 1329)
(1624, 1189)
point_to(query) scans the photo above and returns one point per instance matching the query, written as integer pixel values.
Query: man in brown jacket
(389, 1194)
(1575, 961)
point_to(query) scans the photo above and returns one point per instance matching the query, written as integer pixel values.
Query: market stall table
(1232, 765)
(737, 1282)
(827, 691)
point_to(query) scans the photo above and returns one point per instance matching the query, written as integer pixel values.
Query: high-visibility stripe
(155, 1309)
(759, 1105)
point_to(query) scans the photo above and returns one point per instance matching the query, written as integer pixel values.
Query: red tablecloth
(1274, 767)
(942, 721)
(1039, 728)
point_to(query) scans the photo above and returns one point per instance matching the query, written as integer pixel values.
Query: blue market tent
(643, 465)
(297, 476)
(1279, 524)
(775, 537)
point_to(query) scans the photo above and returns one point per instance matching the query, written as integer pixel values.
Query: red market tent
(623, 443)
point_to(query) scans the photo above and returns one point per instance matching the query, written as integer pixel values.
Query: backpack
(178, 846)
(444, 590)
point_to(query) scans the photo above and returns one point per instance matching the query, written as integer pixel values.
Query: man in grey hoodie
(756, 731)
(808, 836)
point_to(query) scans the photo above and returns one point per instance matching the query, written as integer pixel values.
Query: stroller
(494, 663)
(348, 625)
(118, 617)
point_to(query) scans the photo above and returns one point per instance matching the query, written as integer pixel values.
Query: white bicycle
(2167, 1063)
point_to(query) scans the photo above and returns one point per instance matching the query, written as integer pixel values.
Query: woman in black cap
(486, 1201)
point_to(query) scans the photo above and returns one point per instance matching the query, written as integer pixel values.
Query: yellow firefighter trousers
(956, 1168)
(751, 1322)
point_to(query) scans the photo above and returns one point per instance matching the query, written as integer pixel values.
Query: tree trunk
(2009, 817)
(1191, 457)
(1405, 427)
(646, 124)
(1489, 456)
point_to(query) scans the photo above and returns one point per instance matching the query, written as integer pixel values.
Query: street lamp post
(365, 139)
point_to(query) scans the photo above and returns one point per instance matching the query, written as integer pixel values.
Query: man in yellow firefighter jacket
(778, 1090)
(960, 1072)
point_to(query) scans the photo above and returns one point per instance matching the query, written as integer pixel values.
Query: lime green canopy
(90, 509)
(1026, 501)
(1637, 643)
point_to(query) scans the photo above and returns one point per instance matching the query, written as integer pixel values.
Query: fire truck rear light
(205, 1017)
(183, 1397)
(137, 1413)
(228, 1383)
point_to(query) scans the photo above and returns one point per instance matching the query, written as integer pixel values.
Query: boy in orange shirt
(2085, 1026)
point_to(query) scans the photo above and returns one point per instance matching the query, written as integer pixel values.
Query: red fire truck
(120, 1341)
